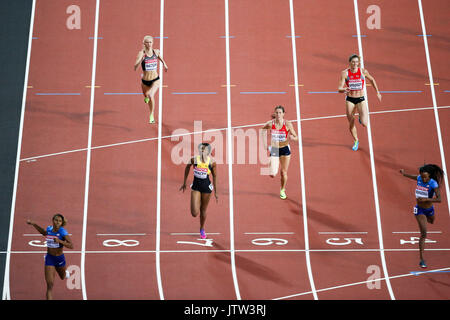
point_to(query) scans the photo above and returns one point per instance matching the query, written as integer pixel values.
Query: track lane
(400, 141)
(45, 187)
(120, 112)
(262, 220)
(122, 205)
(195, 49)
(339, 192)
(52, 123)
(60, 63)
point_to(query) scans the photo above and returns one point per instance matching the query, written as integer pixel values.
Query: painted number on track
(117, 243)
(269, 241)
(37, 243)
(203, 242)
(344, 242)
(415, 240)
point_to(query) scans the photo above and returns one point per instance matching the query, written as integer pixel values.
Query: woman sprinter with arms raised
(56, 238)
(428, 181)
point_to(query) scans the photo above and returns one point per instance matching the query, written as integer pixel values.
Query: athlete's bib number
(355, 85)
(279, 136)
(421, 192)
(151, 64)
(201, 173)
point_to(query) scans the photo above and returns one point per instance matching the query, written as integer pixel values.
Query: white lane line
(358, 283)
(158, 188)
(372, 162)
(6, 295)
(300, 148)
(230, 153)
(237, 250)
(29, 159)
(332, 232)
(395, 232)
(256, 233)
(88, 155)
(436, 113)
(120, 234)
(191, 233)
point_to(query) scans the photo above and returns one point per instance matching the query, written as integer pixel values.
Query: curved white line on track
(372, 162)
(300, 148)
(361, 282)
(214, 130)
(6, 295)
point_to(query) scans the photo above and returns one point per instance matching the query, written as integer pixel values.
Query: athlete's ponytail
(434, 171)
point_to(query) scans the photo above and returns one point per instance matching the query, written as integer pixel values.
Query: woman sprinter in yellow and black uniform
(204, 166)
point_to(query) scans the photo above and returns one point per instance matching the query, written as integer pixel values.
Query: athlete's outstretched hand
(183, 187)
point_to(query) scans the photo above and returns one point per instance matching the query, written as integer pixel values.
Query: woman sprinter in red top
(280, 152)
(351, 83)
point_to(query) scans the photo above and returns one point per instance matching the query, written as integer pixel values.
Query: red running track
(130, 244)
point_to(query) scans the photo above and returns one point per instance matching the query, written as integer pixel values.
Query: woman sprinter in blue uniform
(56, 238)
(204, 165)
(428, 181)
(148, 59)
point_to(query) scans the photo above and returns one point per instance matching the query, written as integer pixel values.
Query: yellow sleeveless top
(201, 169)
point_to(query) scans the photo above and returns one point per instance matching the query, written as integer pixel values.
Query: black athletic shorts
(149, 83)
(355, 100)
(202, 185)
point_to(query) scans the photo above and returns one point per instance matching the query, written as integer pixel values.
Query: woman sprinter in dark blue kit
(56, 238)
(428, 181)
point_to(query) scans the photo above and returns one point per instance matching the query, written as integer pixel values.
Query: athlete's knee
(284, 173)
(195, 212)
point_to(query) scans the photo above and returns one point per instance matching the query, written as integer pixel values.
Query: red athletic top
(279, 135)
(355, 81)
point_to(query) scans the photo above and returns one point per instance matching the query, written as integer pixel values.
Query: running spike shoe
(202, 234)
(355, 145)
(283, 194)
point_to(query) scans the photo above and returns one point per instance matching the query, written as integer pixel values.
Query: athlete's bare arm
(342, 87)
(158, 54)
(373, 82)
(139, 58)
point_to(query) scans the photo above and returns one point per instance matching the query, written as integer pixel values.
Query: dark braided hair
(434, 171)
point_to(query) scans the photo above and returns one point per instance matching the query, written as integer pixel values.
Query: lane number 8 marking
(117, 243)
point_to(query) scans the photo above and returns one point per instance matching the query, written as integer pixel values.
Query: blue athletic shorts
(55, 261)
(429, 212)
